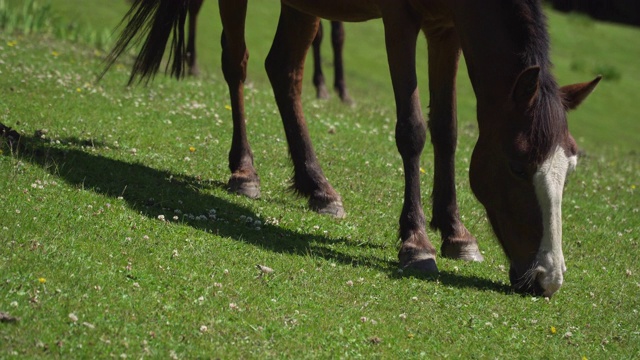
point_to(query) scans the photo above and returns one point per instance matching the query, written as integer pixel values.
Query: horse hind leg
(337, 41)
(318, 76)
(285, 65)
(192, 62)
(444, 52)
(244, 178)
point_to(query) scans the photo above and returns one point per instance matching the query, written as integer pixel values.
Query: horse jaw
(549, 184)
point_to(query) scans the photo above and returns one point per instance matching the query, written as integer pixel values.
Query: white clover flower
(73, 317)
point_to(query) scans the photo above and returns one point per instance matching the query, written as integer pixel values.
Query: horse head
(518, 172)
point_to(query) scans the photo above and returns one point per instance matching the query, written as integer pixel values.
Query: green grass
(80, 211)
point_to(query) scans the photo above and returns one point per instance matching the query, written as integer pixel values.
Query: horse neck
(498, 45)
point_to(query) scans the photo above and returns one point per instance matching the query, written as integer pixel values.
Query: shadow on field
(155, 192)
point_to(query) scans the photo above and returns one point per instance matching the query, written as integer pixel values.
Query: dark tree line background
(620, 11)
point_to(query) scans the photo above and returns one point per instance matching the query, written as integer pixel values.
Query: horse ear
(573, 95)
(526, 88)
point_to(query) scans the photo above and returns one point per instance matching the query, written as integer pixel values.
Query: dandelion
(423, 171)
(55, 53)
(12, 43)
(192, 149)
(228, 107)
(79, 90)
(42, 280)
(553, 330)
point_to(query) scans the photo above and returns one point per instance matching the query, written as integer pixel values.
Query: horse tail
(151, 23)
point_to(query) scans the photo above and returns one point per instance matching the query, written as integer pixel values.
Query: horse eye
(518, 169)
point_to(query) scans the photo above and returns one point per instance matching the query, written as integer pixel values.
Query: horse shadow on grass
(154, 192)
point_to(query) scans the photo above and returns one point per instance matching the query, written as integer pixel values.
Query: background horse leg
(444, 52)
(285, 67)
(416, 252)
(318, 76)
(244, 178)
(337, 41)
(192, 63)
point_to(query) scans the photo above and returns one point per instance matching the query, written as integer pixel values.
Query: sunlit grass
(119, 239)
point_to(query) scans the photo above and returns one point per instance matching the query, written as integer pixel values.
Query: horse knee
(234, 61)
(280, 71)
(411, 136)
(443, 136)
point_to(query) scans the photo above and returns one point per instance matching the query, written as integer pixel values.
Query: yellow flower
(12, 43)
(553, 329)
(423, 171)
(228, 107)
(584, 358)
(410, 336)
(633, 187)
(42, 280)
(192, 149)
(55, 53)
(78, 89)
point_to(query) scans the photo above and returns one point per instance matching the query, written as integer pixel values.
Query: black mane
(528, 28)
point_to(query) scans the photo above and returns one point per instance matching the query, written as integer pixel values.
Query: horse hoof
(248, 188)
(423, 266)
(328, 207)
(347, 100)
(462, 251)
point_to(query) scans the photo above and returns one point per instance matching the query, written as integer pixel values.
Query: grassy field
(119, 239)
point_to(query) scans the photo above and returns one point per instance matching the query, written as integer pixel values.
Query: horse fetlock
(461, 250)
(457, 242)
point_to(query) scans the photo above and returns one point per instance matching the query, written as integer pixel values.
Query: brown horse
(337, 42)
(524, 150)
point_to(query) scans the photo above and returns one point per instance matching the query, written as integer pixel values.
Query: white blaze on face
(549, 184)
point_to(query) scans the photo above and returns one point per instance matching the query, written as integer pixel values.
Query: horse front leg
(444, 53)
(416, 252)
(244, 178)
(285, 67)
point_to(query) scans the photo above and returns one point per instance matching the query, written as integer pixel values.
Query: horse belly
(338, 10)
